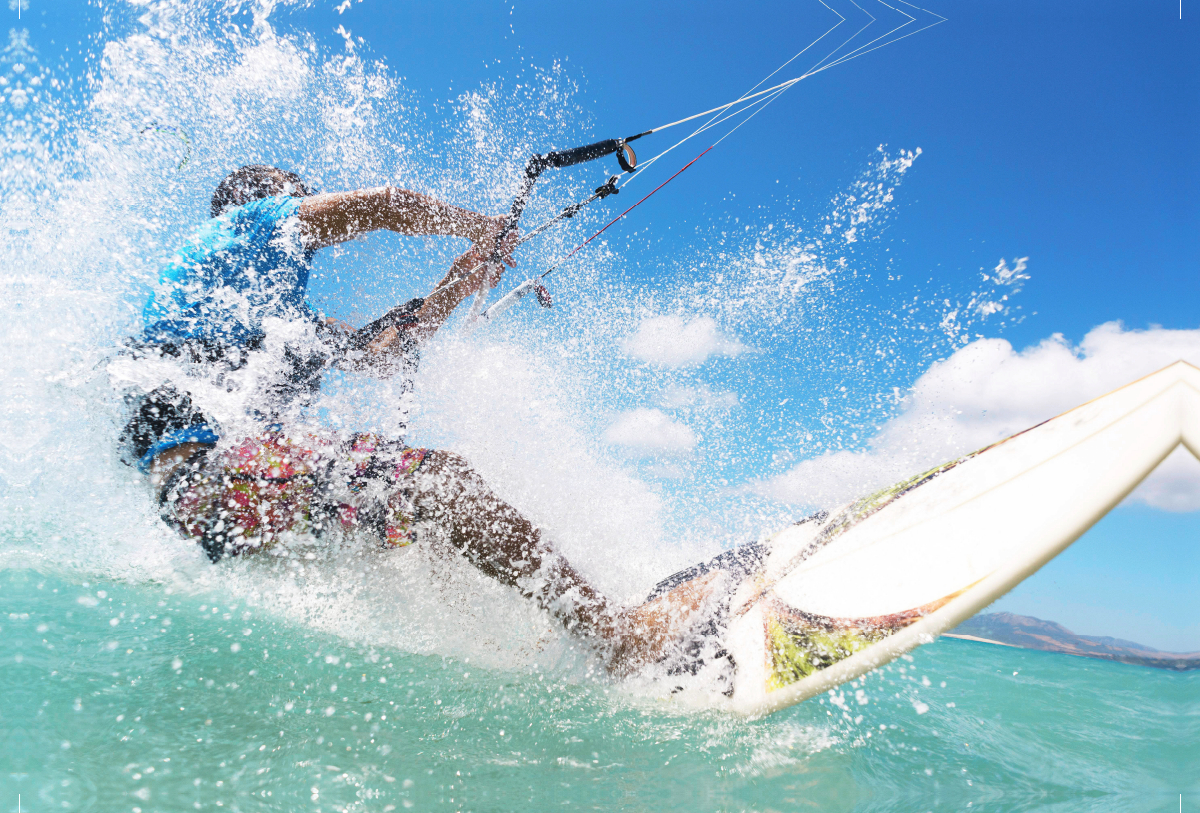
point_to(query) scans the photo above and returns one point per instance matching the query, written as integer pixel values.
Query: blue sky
(1061, 132)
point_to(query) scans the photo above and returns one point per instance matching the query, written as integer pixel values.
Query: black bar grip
(578, 155)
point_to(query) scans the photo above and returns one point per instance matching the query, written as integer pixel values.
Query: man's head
(255, 181)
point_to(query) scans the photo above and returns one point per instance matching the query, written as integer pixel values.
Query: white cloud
(650, 433)
(1174, 485)
(672, 341)
(699, 397)
(987, 391)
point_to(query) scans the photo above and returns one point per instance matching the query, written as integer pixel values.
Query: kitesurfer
(232, 302)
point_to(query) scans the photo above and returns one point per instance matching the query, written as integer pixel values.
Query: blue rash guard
(237, 269)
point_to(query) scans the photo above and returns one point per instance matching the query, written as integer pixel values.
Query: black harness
(166, 409)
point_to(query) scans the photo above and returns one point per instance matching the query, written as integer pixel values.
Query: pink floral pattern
(269, 484)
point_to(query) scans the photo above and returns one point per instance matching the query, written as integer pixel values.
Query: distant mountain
(1034, 633)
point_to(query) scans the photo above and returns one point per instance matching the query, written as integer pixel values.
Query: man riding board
(239, 486)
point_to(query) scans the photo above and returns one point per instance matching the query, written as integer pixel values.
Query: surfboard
(839, 594)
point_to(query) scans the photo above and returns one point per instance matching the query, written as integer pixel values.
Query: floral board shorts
(275, 484)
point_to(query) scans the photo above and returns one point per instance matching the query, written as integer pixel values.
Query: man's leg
(489, 532)
(494, 537)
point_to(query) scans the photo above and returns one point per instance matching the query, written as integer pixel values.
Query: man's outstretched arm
(339, 216)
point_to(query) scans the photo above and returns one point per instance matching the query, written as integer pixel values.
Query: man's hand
(484, 249)
(485, 243)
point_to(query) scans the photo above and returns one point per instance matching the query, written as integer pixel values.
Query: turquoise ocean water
(134, 697)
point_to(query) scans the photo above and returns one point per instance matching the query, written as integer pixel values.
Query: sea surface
(117, 696)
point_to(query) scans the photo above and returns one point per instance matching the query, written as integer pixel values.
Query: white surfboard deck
(836, 598)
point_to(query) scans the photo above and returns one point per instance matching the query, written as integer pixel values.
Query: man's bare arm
(339, 216)
(382, 351)
(448, 294)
